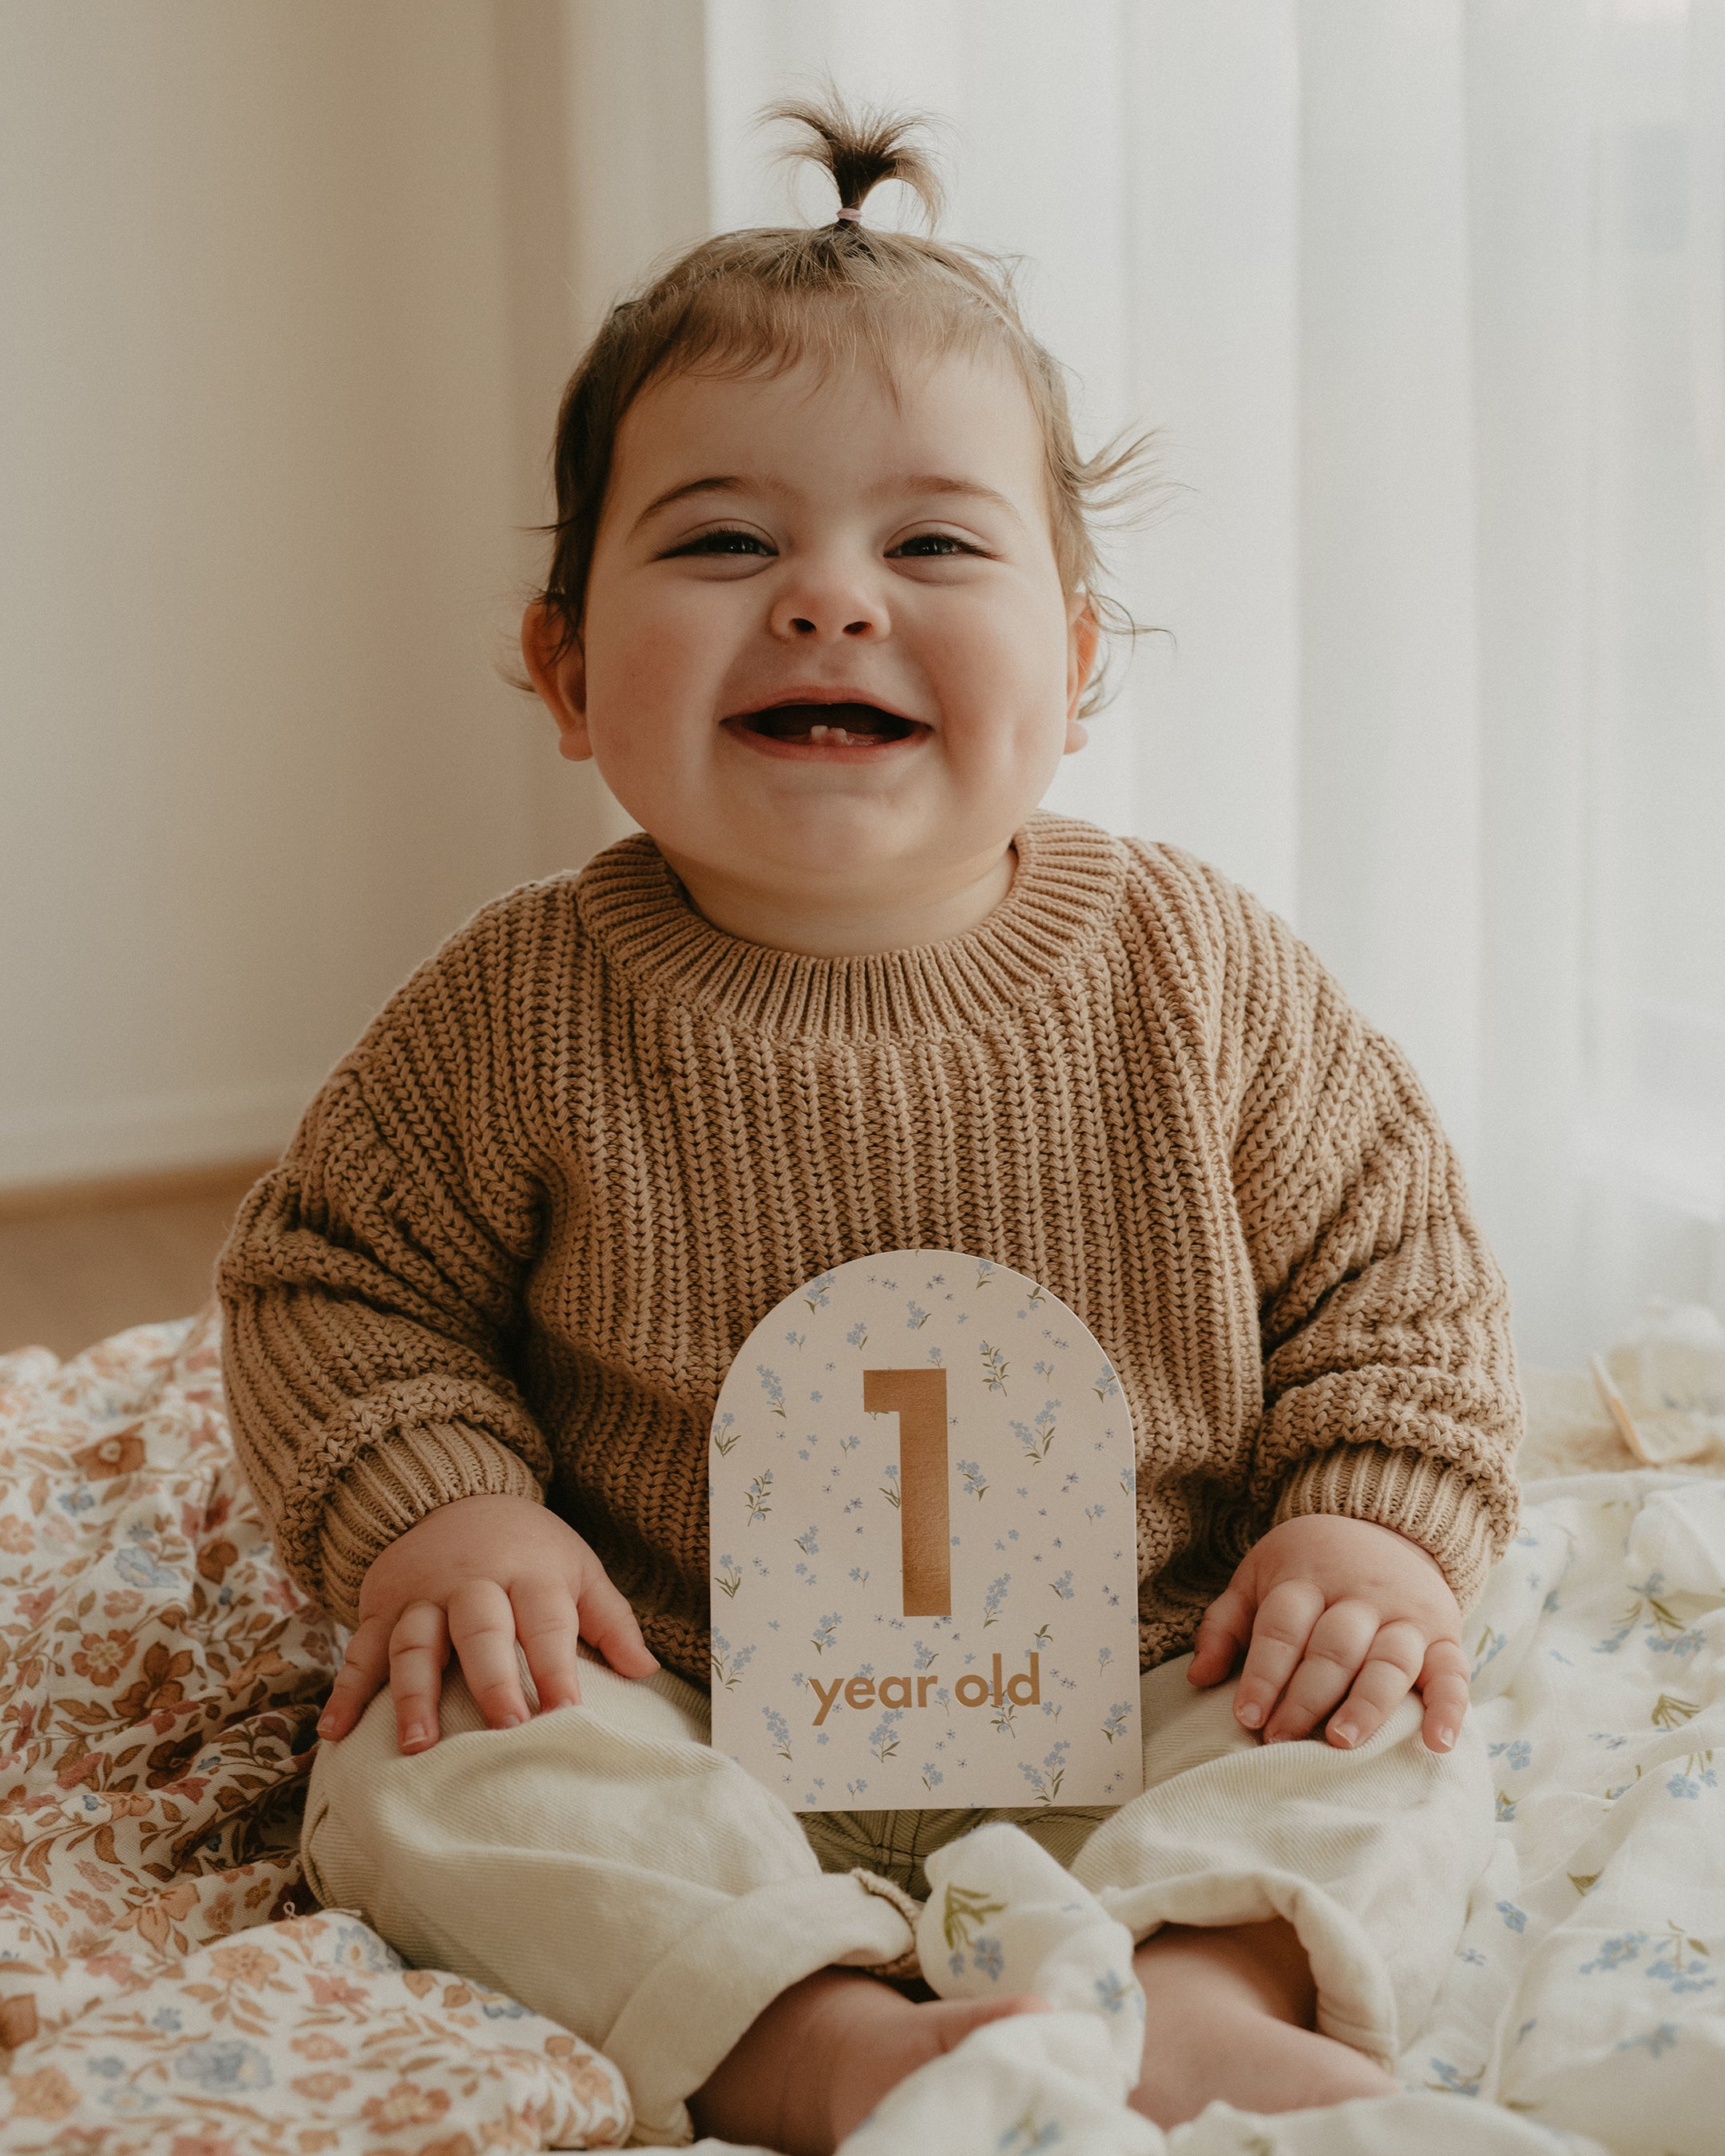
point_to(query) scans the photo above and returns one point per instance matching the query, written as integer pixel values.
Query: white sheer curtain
(1429, 304)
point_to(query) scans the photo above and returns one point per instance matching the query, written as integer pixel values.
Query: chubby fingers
(1443, 1686)
(1389, 1671)
(361, 1673)
(482, 1631)
(1224, 1635)
(608, 1624)
(547, 1625)
(1335, 1651)
(419, 1648)
(1286, 1620)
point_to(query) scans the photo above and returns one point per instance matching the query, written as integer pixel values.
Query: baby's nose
(811, 615)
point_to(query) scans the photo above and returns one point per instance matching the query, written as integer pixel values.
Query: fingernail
(416, 1734)
(512, 1720)
(1346, 1733)
(326, 1725)
(1251, 1716)
(1445, 1738)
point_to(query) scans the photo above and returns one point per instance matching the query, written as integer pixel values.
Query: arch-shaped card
(925, 1546)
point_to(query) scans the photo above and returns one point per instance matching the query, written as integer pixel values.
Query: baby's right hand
(477, 1575)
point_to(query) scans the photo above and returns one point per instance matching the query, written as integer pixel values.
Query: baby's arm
(371, 1290)
(1337, 1618)
(1382, 1464)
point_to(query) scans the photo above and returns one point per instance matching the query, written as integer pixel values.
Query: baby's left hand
(1337, 1618)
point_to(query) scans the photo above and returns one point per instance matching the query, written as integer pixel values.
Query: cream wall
(289, 293)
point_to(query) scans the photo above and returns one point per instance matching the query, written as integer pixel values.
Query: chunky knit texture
(528, 1221)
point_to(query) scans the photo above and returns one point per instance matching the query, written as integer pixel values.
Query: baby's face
(826, 645)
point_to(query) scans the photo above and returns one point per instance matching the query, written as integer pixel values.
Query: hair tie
(848, 215)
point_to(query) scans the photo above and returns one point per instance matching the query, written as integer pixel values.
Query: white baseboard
(158, 1131)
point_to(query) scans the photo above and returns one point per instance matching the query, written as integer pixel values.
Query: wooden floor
(79, 1264)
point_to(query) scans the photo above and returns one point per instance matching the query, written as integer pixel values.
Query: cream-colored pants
(604, 1866)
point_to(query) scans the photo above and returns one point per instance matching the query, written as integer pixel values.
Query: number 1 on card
(919, 1399)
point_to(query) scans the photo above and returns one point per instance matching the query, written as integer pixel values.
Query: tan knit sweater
(532, 1218)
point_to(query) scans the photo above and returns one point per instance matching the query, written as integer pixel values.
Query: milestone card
(925, 1546)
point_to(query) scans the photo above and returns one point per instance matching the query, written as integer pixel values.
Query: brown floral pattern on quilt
(166, 1980)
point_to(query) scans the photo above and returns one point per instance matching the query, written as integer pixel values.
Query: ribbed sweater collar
(1064, 896)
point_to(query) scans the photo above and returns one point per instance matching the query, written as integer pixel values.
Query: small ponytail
(859, 148)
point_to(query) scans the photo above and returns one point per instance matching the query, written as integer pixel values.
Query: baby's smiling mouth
(826, 725)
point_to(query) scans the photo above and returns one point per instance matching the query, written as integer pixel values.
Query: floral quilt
(167, 1982)
(169, 1987)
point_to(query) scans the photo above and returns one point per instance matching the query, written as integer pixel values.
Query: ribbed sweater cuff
(388, 1487)
(1424, 1499)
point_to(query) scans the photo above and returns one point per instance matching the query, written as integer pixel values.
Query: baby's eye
(930, 545)
(723, 542)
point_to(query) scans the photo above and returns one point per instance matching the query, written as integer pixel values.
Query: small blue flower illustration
(357, 1948)
(1623, 1947)
(140, 1569)
(1656, 2041)
(227, 2062)
(1115, 1993)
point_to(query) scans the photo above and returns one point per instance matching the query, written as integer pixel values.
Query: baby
(822, 607)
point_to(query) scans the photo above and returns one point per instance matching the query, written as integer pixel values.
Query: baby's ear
(559, 673)
(1084, 641)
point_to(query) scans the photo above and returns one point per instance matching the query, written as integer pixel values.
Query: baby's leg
(823, 2055)
(1297, 1905)
(1229, 2012)
(605, 1866)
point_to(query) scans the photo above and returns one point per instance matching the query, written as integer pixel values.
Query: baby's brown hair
(764, 299)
